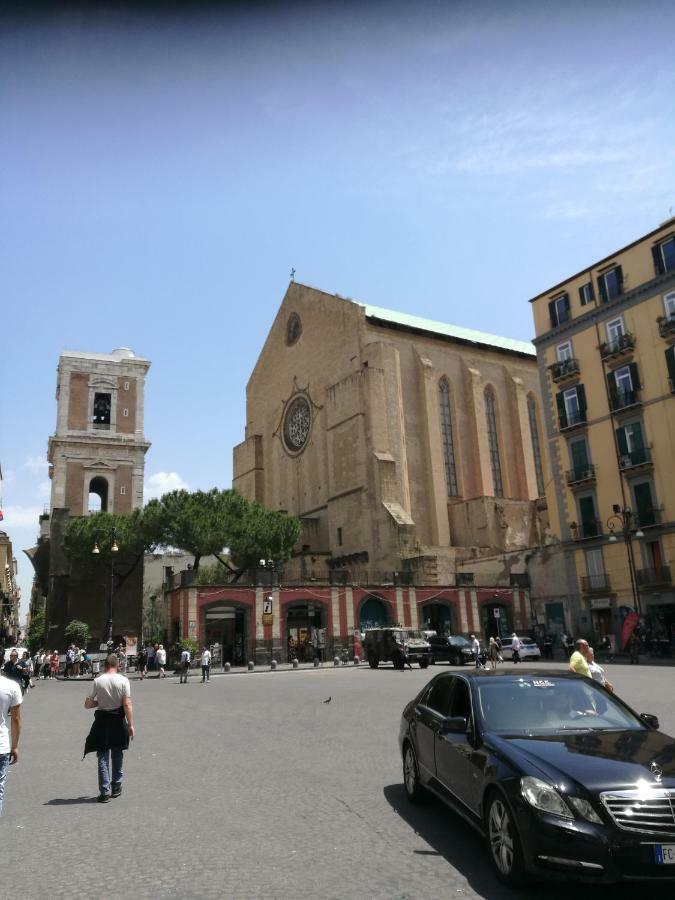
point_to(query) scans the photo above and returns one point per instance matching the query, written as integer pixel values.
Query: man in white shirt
(160, 659)
(185, 660)
(515, 647)
(205, 663)
(112, 728)
(10, 712)
(475, 646)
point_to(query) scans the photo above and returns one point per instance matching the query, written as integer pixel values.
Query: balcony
(620, 346)
(657, 577)
(572, 420)
(647, 518)
(667, 325)
(564, 369)
(591, 528)
(595, 584)
(619, 400)
(635, 459)
(581, 474)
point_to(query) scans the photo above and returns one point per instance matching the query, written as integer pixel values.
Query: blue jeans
(4, 764)
(104, 757)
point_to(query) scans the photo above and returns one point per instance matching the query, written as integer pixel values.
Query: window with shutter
(587, 517)
(610, 284)
(670, 364)
(562, 412)
(586, 295)
(664, 256)
(644, 503)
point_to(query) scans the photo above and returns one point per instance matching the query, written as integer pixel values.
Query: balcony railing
(564, 368)
(581, 474)
(623, 399)
(635, 458)
(660, 575)
(648, 517)
(589, 528)
(572, 420)
(622, 344)
(666, 325)
(592, 584)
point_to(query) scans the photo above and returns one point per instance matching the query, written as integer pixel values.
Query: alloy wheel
(412, 786)
(500, 834)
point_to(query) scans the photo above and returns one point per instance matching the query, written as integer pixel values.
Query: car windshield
(550, 705)
(526, 641)
(459, 642)
(409, 634)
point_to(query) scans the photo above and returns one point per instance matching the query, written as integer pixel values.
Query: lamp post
(113, 550)
(624, 521)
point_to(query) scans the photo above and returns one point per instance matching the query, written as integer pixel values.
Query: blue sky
(161, 174)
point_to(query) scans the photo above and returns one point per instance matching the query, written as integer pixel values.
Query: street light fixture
(625, 522)
(113, 550)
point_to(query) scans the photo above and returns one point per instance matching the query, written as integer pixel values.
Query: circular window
(293, 329)
(297, 422)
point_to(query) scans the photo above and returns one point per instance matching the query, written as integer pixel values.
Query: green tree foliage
(135, 534)
(262, 534)
(36, 632)
(77, 632)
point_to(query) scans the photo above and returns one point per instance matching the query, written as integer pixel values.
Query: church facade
(407, 448)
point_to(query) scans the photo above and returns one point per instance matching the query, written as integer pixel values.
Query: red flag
(628, 628)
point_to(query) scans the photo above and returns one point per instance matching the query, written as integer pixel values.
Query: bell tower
(97, 453)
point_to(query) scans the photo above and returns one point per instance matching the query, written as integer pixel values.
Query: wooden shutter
(566, 298)
(602, 289)
(634, 376)
(581, 397)
(621, 441)
(670, 362)
(659, 268)
(562, 413)
(553, 314)
(579, 455)
(619, 278)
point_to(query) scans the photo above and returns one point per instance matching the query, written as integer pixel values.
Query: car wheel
(411, 778)
(504, 842)
(373, 661)
(424, 663)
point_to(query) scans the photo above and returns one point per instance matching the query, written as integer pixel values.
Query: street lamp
(113, 550)
(625, 522)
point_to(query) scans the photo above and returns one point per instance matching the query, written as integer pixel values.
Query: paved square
(251, 787)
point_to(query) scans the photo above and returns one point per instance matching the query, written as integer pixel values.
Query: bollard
(295, 663)
(357, 661)
(273, 665)
(227, 667)
(316, 662)
(251, 665)
(336, 661)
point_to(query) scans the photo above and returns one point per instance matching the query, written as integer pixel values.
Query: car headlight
(544, 797)
(585, 810)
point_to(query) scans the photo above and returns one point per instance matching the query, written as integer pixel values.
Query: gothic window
(447, 437)
(536, 447)
(493, 442)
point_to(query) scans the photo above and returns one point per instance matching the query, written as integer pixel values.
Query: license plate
(664, 854)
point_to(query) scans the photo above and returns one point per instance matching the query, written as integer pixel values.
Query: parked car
(396, 645)
(560, 776)
(529, 648)
(452, 648)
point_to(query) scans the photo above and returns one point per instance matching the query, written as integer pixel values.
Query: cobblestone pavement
(251, 787)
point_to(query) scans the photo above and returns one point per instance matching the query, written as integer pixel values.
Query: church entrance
(438, 617)
(305, 631)
(224, 632)
(374, 613)
(495, 621)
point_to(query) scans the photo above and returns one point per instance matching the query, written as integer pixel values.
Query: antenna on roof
(292, 274)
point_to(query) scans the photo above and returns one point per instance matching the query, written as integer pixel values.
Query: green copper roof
(455, 332)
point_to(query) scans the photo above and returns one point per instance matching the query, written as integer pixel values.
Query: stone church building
(412, 452)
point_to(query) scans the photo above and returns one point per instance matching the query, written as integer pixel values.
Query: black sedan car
(454, 649)
(559, 775)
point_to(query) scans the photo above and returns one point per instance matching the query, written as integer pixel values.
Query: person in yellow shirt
(579, 659)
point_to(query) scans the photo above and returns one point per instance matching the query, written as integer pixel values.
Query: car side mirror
(650, 721)
(453, 725)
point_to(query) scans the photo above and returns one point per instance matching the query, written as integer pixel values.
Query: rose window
(297, 422)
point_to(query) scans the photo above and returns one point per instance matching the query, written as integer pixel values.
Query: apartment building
(605, 340)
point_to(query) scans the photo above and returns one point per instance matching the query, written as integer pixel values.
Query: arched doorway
(438, 617)
(374, 613)
(225, 632)
(495, 620)
(98, 495)
(305, 631)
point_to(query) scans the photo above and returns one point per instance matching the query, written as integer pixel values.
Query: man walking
(10, 712)
(205, 664)
(185, 660)
(515, 648)
(112, 728)
(160, 659)
(475, 646)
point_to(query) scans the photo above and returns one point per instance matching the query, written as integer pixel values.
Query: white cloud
(44, 490)
(22, 516)
(36, 463)
(8, 477)
(163, 482)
